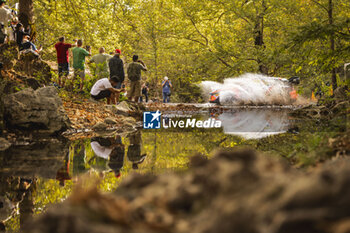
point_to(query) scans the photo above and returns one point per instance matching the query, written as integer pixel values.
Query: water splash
(250, 89)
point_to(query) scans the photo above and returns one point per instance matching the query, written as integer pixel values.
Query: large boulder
(39, 110)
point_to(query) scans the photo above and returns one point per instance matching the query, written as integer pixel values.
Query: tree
(26, 15)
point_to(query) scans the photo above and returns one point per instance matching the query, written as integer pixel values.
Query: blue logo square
(151, 120)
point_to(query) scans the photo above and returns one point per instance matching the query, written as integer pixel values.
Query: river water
(36, 174)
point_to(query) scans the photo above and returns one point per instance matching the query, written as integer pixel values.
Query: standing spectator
(62, 59)
(116, 68)
(166, 84)
(19, 34)
(134, 75)
(144, 92)
(79, 55)
(101, 61)
(12, 29)
(5, 15)
(3, 36)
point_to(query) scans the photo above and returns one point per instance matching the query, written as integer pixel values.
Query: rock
(41, 159)
(340, 107)
(9, 55)
(39, 110)
(110, 121)
(311, 111)
(341, 93)
(34, 66)
(120, 109)
(127, 108)
(33, 83)
(101, 126)
(232, 192)
(4, 144)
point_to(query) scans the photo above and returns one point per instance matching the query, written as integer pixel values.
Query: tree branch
(320, 5)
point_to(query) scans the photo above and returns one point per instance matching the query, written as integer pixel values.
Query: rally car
(236, 93)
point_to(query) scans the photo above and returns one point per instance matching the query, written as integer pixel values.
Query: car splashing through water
(251, 89)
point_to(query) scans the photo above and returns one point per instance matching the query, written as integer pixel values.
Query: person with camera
(166, 84)
(62, 50)
(134, 75)
(79, 55)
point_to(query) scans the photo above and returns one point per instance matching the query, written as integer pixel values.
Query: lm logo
(151, 120)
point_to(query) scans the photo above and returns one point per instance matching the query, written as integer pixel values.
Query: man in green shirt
(101, 61)
(79, 55)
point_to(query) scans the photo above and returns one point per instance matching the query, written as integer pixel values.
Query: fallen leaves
(84, 114)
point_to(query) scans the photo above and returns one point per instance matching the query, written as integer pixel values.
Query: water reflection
(255, 123)
(33, 176)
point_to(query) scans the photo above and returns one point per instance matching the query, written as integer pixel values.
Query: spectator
(12, 30)
(144, 92)
(101, 61)
(166, 85)
(134, 75)
(19, 34)
(3, 36)
(28, 46)
(62, 59)
(116, 68)
(103, 88)
(79, 55)
(5, 15)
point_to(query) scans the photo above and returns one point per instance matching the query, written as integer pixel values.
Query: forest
(191, 41)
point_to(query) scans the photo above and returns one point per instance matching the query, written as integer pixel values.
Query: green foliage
(191, 41)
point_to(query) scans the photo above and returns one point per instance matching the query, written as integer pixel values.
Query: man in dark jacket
(116, 68)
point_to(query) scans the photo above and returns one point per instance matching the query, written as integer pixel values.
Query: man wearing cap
(5, 15)
(116, 68)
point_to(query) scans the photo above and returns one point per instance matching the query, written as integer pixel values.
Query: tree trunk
(259, 38)
(26, 12)
(332, 43)
(26, 16)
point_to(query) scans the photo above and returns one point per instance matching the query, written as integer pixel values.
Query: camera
(88, 47)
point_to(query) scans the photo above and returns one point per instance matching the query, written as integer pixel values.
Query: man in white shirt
(5, 15)
(104, 88)
(101, 150)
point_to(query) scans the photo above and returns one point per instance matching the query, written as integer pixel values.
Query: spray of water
(250, 89)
